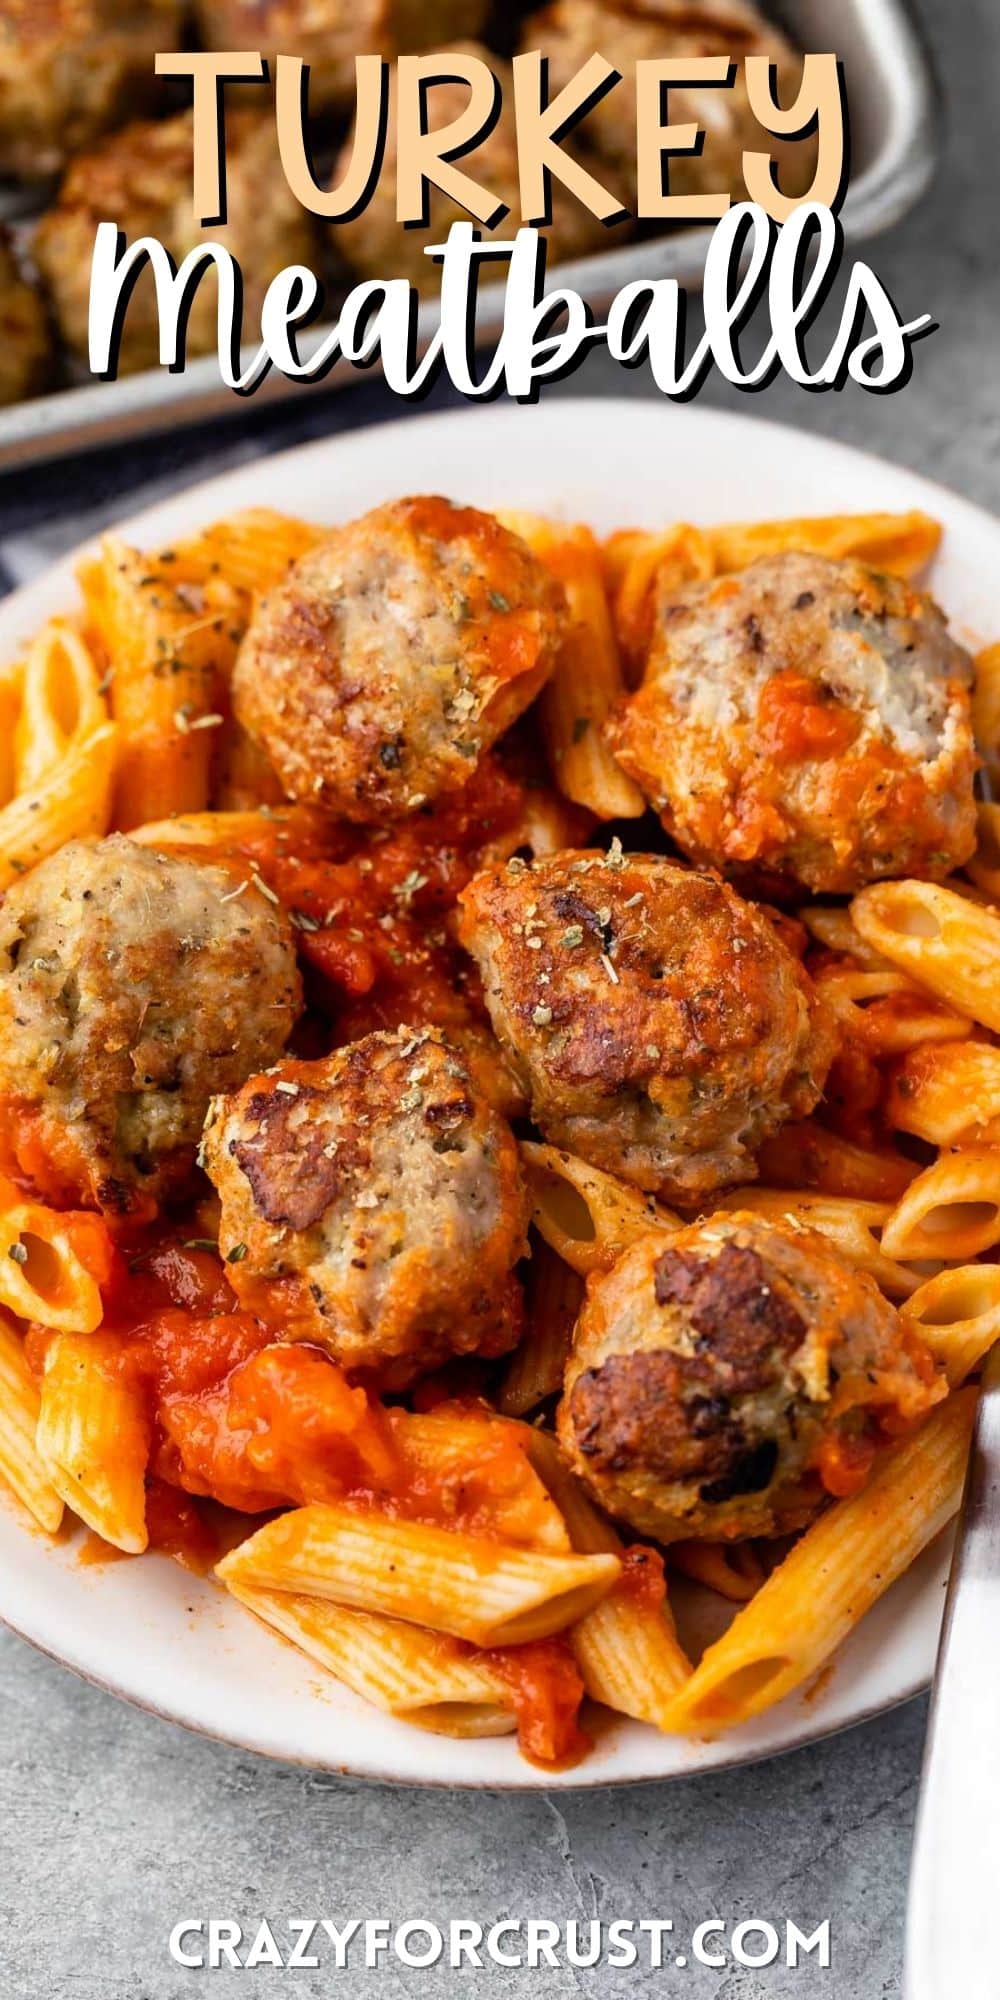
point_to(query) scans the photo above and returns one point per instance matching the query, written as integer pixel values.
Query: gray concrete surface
(114, 1825)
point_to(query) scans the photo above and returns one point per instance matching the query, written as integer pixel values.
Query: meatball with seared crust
(630, 31)
(70, 70)
(329, 34)
(132, 986)
(394, 654)
(726, 1380)
(661, 1026)
(805, 724)
(373, 1202)
(141, 180)
(26, 357)
(374, 245)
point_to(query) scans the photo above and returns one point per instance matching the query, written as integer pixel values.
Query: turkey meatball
(661, 1026)
(25, 343)
(373, 1202)
(726, 1380)
(141, 179)
(70, 70)
(805, 724)
(328, 34)
(394, 654)
(374, 245)
(132, 986)
(631, 31)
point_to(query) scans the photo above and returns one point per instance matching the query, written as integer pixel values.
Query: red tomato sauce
(798, 718)
(370, 909)
(547, 1691)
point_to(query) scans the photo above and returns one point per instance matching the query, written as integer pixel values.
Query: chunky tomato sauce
(241, 1421)
(799, 718)
(370, 909)
(546, 1691)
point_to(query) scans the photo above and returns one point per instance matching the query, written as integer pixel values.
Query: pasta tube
(94, 1438)
(72, 802)
(486, 1591)
(986, 713)
(833, 1575)
(947, 1095)
(586, 1216)
(957, 1314)
(51, 1265)
(421, 1677)
(946, 943)
(951, 1210)
(854, 1227)
(588, 677)
(535, 1370)
(626, 1648)
(20, 1463)
(60, 701)
(900, 544)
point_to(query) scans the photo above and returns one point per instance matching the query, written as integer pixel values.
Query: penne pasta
(93, 1437)
(424, 1678)
(586, 1216)
(808, 1156)
(11, 683)
(831, 925)
(626, 1647)
(639, 565)
(588, 679)
(72, 802)
(957, 1315)
(734, 1571)
(535, 1370)
(951, 1210)
(834, 1574)
(900, 544)
(491, 1593)
(252, 550)
(855, 1227)
(886, 1012)
(60, 702)
(986, 714)
(170, 655)
(487, 1460)
(946, 943)
(21, 1465)
(52, 1265)
(947, 1094)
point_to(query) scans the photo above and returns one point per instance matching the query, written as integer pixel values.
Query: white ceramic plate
(147, 1630)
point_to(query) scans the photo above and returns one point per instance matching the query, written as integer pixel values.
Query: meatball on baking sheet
(73, 73)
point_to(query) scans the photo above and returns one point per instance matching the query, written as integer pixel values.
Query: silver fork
(953, 1918)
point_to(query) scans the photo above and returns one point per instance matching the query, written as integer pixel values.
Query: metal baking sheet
(893, 107)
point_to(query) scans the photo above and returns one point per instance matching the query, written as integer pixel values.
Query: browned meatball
(132, 985)
(375, 246)
(726, 1380)
(141, 180)
(26, 358)
(629, 31)
(373, 1202)
(328, 34)
(806, 722)
(662, 1028)
(70, 70)
(394, 654)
